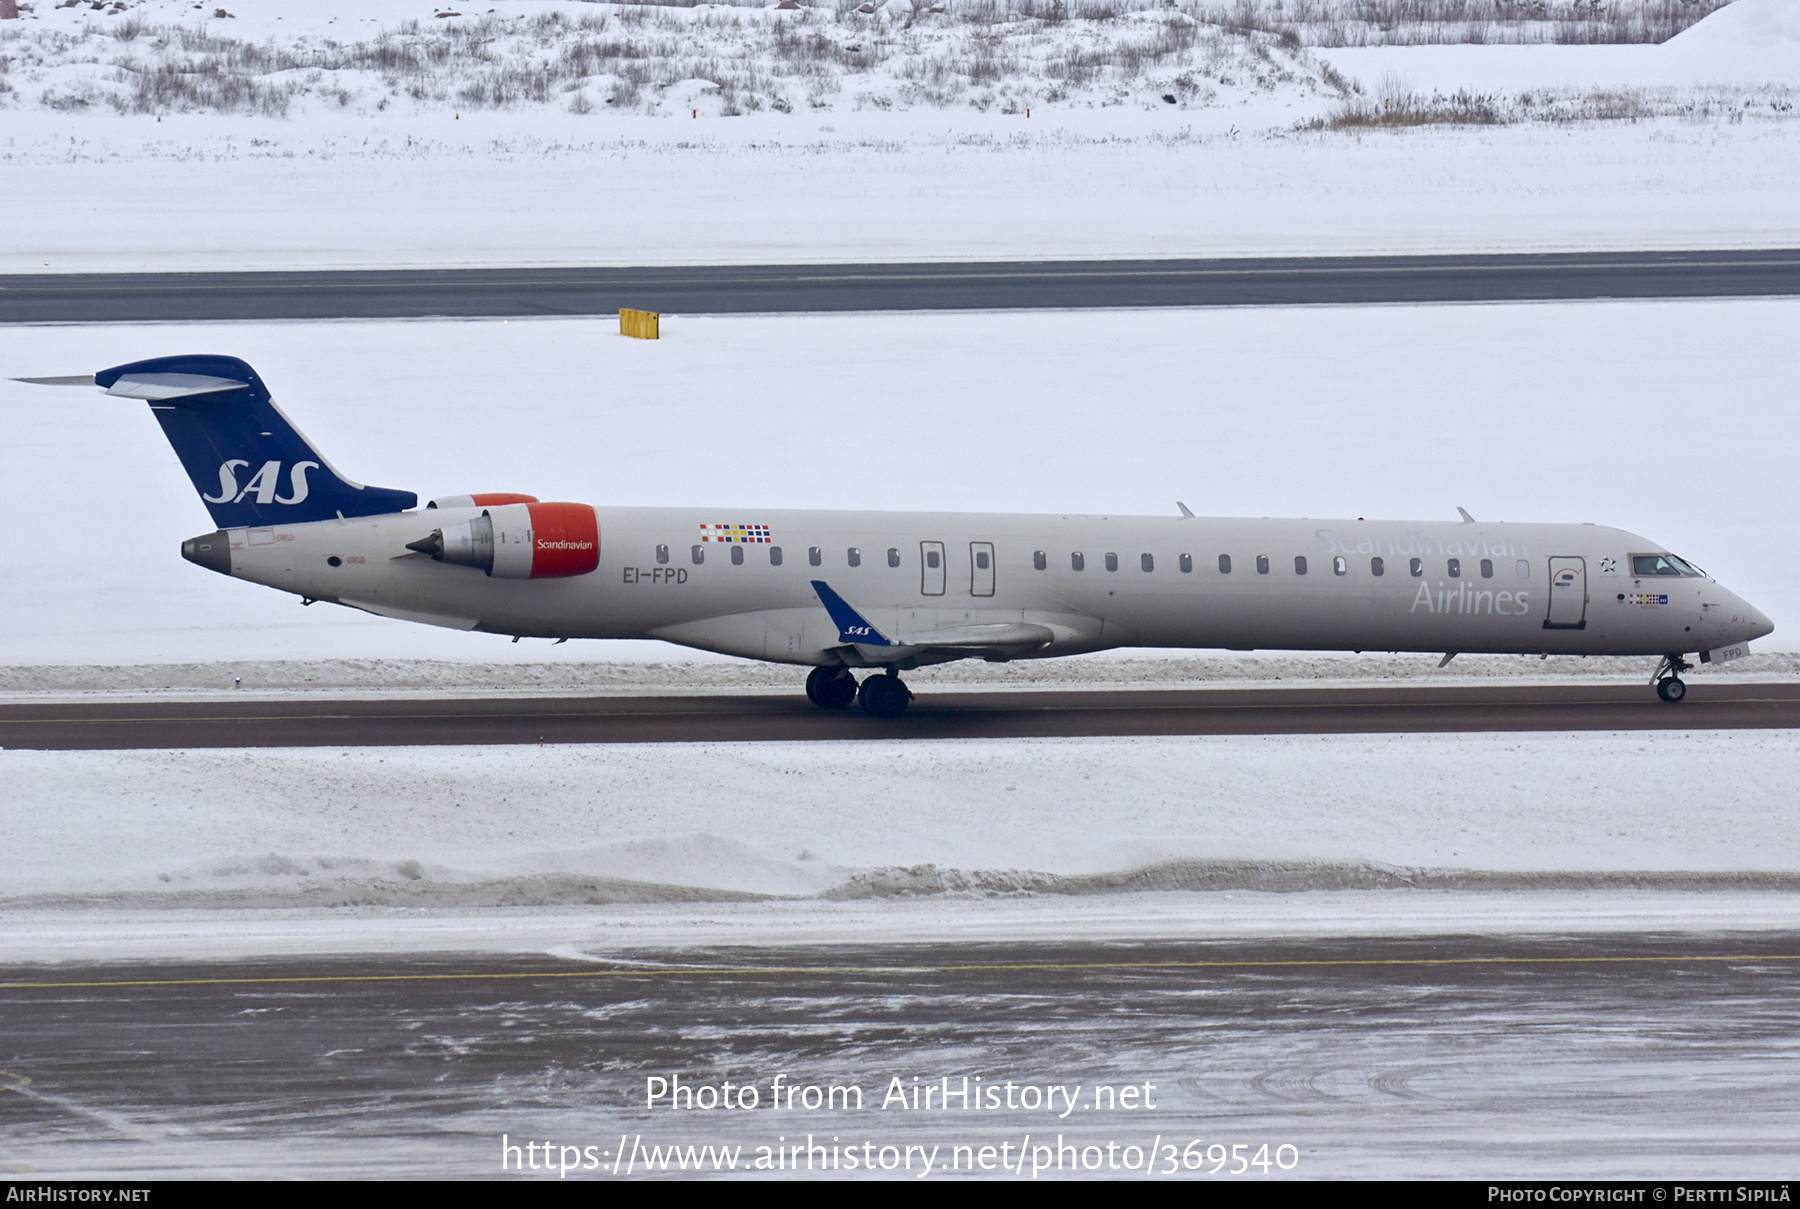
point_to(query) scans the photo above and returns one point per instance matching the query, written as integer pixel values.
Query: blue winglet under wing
(852, 626)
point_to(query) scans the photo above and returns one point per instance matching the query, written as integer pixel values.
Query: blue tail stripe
(852, 626)
(250, 464)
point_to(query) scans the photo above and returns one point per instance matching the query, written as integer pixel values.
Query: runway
(1604, 1056)
(985, 715)
(728, 289)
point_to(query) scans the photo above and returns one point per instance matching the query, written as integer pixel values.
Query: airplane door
(1568, 594)
(931, 568)
(981, 568)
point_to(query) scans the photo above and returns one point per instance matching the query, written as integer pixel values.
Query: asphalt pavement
(1597, 1056)
(738, 289)
(326, 722)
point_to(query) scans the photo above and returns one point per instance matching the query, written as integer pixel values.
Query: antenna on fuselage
(1187, 513)
(1467, 519)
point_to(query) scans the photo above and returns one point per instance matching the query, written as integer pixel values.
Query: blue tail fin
(249, 463)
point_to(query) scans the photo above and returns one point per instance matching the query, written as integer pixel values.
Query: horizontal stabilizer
(63, 380)
(157, 387)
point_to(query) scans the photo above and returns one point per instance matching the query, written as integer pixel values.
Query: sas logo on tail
(264, 483)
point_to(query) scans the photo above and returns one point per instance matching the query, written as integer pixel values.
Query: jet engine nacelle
(520, 541)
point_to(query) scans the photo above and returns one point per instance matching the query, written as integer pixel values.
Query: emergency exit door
(931, 568)
(981, 568)
(1568, 594)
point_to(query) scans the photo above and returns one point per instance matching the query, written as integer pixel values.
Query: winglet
(1186, 512)
(1467, 519)
(852, 626)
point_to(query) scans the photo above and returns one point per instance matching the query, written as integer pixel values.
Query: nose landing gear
(1669, 686)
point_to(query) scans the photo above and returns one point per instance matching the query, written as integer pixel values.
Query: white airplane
(892, 591)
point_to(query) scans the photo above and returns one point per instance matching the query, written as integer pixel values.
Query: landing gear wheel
(830, 687)
(1671, 689)
(884, 696)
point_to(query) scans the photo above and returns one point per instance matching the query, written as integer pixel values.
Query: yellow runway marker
(1014, 967)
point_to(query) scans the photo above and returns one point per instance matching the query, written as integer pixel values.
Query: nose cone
(213, 551)
(1746, 620)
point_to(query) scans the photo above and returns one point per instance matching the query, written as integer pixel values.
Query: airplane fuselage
(743, 582)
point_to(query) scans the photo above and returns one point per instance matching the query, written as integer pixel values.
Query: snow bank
(93, 194)
(1746, 44)
(96, 934)
(1566, 412)
(323, 137)
(1740, 63)
(621, 824)
(1745, 25)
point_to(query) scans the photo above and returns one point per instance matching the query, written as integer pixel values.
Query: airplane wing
(1004, 639)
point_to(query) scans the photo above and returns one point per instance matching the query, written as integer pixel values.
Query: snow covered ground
(865, 141)
(1671, 419)
(1396, 821)
(102, 934)
(887, 143)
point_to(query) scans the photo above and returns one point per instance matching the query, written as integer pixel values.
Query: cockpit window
(1660, 564)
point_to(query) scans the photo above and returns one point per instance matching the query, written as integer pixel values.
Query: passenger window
(1487, 568)
(1262, 564)
(1522, 569)
(662, 554)
(1339, 566)
(1038, 561)
(1076, 561)
(932, 558)
(893, 556)
(814, 555)
(1299, 564)
(1112, 561)
(699, 555)
(981, 560)
(1224, 564)
(737, 556)
(1456, 568)
(1187, 564)
(1147, 562)
(854, 554)
(1377, 568)
(1416, 566)
(774, 556)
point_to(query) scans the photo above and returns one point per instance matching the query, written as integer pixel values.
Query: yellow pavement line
(1016, 967)
(19, 1081)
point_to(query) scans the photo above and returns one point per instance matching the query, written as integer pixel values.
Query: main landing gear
(1669, 686)
(831, 687)
(881, 696)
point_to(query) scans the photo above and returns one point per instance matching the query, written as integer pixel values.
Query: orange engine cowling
(480, 500)
(565, 540)
(520, 541)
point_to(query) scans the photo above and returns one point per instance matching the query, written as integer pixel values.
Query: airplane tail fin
(249, 463)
